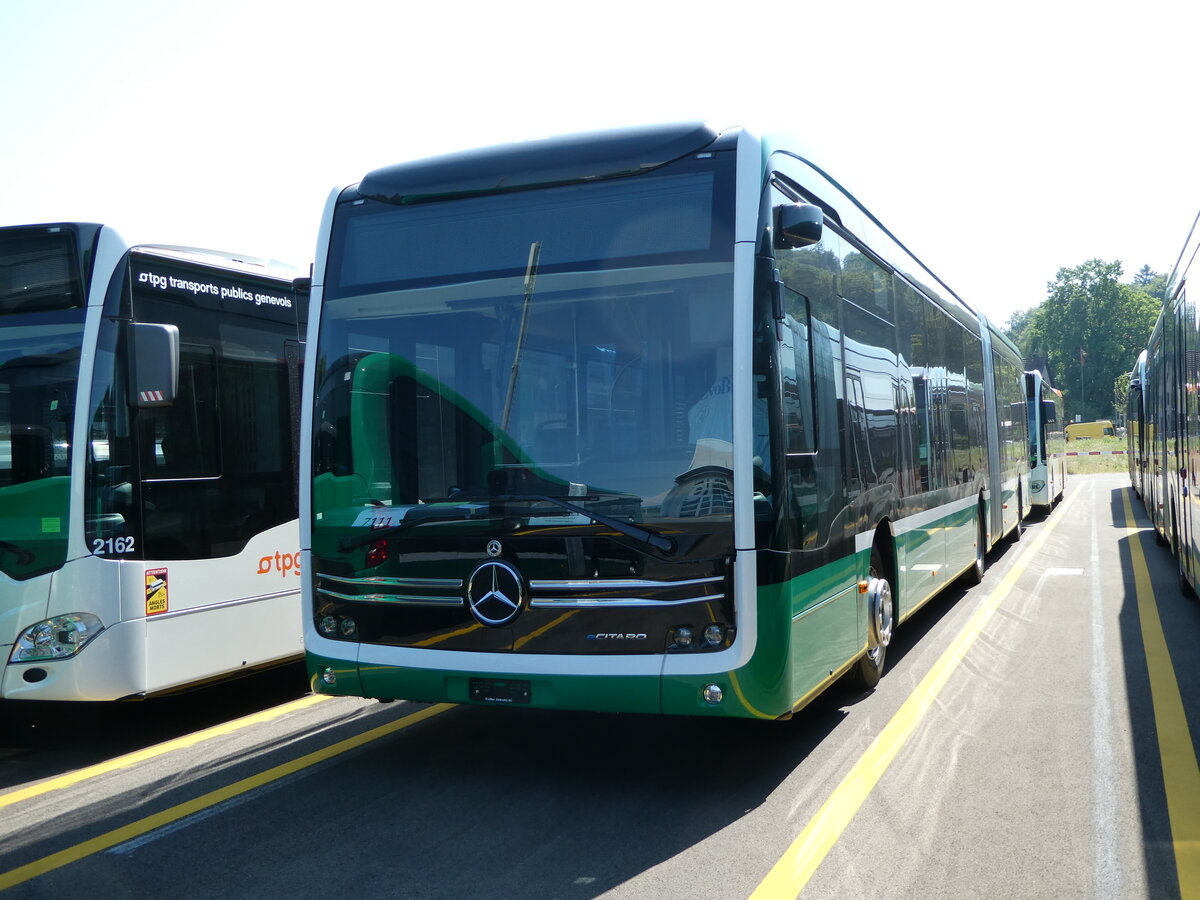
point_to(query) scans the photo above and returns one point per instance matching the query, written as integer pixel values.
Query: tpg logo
(283, 563)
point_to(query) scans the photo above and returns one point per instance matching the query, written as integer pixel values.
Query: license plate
(497, 690)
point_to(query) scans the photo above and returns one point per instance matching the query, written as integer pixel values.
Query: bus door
(1188, 438)
(1176, 449)
(825, 621)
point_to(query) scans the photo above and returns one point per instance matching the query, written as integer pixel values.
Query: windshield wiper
(531, 270)
(636, 532)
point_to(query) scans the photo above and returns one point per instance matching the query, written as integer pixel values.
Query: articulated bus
(149, 413)
(1137, 435)
(1047, 443)
(656, 420)
(1163, 388)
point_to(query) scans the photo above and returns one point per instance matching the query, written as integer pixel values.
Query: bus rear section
(149, 398)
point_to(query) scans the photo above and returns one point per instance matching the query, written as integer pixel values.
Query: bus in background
(1047, 444)
(658, 420)
(1169, 430)
(1136, 434)
(148, 493)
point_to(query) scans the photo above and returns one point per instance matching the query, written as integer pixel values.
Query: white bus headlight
(56, 638)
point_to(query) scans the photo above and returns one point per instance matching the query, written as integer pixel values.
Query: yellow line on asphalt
(789, 876)
(212, 798)
(131, 759)
(1181, 774)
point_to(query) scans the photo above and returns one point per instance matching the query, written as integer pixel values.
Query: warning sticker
(156, 591)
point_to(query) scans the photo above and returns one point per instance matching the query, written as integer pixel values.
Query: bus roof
(237, 262)
(564, 159)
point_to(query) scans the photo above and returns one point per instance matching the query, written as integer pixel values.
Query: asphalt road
(1030, 738)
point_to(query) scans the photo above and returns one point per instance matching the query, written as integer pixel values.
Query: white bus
(148, 422)
(1047, 441)
(658, 420)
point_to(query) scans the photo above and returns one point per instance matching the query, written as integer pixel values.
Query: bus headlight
(56, 638)
(681, 637)
(713, 694)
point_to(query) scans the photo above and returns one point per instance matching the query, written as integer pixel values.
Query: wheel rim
(879, 600)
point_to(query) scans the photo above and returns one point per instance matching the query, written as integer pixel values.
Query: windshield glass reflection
(612, 389)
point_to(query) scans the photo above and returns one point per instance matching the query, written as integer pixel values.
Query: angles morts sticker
(156, 591)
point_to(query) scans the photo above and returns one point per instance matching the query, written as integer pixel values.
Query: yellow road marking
(1181, 774)
(131, 759)
(789, 876)
(212, 798)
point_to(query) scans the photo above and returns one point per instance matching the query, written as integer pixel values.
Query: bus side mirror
(153, 364)
(1048, 413)
(797, 225)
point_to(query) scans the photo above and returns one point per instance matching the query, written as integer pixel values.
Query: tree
(1144, 276)
(1090, 329)
(1018, 323)
(1121, 394)
(1156, 287)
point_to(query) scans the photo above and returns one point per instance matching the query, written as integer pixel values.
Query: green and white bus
(656, 420)
(149, 414)
(1047, 441)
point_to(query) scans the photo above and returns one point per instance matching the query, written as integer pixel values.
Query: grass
(1088, 465)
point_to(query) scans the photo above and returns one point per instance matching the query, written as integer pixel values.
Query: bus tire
(1015, 534)
(1185, 586)
(975, 573)
(880, 622)
(1177, 550)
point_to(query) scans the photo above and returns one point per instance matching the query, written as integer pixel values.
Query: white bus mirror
(153, 364)
(797, 225)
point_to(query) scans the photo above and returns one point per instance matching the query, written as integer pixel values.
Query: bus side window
(183, 436)
(796, 369)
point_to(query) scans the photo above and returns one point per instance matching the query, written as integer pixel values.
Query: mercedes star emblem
(495, 593)
(494, 549)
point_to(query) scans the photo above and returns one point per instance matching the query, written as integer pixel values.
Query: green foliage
(1018, 323)
(1120, 394)
(1156, 287)
(1090, 329)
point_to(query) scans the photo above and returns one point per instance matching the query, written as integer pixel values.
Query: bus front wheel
(880, 622)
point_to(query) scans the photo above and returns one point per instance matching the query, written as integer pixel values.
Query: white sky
(1000, 142)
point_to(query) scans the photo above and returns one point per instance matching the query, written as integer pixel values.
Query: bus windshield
(39, 363)
(573, 342)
